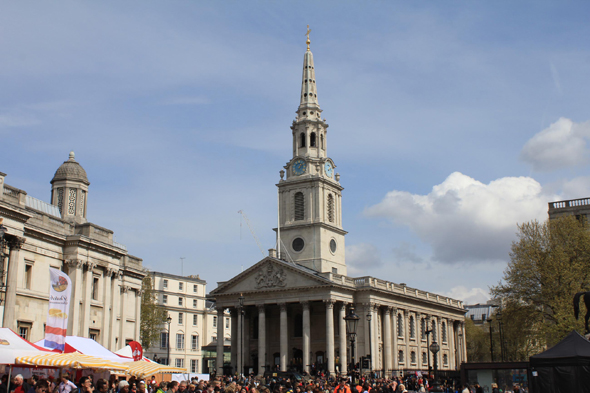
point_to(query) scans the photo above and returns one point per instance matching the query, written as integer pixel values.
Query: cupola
(69, 190)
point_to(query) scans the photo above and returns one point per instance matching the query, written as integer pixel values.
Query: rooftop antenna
(182, 265)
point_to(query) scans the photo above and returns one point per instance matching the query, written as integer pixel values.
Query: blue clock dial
(299, 167)
(328, 168)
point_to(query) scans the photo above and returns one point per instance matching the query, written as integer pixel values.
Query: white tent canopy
(88, 346)
(12, 345)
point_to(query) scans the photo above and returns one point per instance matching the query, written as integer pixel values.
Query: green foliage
(478, 342)
(152, 316)
(548, 265)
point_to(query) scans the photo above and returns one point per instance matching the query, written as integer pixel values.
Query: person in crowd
(123, 387)
(85, 385)
(141, 387)
(182, 387)
(173, 387)
(20, 386)
(41, 386)
(66, 385)
(102, 385)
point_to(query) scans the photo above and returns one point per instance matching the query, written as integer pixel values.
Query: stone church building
(294, 300)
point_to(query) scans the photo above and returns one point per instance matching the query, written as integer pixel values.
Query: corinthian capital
(74, 263)
(15, 242)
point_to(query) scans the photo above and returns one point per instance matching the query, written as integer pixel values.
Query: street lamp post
(352, 321)
(434, 348)
(241, 326)
(500, 326)
(369, 316)
(169, 321)
(490, 320)
(427, 332)
(2, 257)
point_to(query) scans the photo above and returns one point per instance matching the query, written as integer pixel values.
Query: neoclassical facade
(294, 300)
(106, 279)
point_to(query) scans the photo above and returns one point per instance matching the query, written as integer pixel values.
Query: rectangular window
(180, 286)
(163, 340)
(180, 318)
(165, 284)
(194, 342)
(179, 340)
(194, 365)
(95, 287)
(195, 319)
(180, 363)
(94, 334)
(24, 329)
(334, 270)
(195, 288)
(164, 299)
(194, 303)
(28, 275)
(180, 301)
(214, 321)
(227, 323)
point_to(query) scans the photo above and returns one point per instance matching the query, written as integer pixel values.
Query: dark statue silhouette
(577, 307)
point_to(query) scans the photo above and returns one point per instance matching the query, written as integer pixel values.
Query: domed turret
(69, 190)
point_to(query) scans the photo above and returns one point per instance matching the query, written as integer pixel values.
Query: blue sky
(450, 122)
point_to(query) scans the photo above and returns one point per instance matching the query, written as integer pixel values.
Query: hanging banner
(60, 292)
(136, 350)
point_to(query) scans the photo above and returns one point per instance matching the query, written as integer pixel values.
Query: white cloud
(469, 296)
(360, 257)
(561, 145)
(465, 220)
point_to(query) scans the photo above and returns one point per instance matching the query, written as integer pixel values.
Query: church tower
(310, 196)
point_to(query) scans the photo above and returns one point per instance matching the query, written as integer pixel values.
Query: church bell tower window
(312, 140)
(330, 208)
(299, 206)
(302, 140)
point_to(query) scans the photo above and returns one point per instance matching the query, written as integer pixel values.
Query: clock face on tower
(299, 167)
(328, 168)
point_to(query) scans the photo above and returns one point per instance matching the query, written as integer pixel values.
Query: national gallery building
(288, 309)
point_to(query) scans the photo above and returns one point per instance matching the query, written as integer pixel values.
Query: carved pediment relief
(270, 275)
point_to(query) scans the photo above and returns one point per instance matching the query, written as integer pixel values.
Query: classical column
(330, 335)
(387, 341)
(138, 314)
(374, 337)
(124, 290)
(343, 346)
(115, 301)
(306, 336)
(368, 333)
(261, 339)
(394, 333)
(284, 337)
(14, 244)
(75, 274)
(240, 351)
(106, 309)
(220, 341)
(88, 281)
(234, 338)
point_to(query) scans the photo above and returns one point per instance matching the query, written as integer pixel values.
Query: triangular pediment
(271, 274)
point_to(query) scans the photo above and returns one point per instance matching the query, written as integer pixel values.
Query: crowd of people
(228, 384)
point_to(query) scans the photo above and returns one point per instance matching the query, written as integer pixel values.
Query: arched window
(412, 328)
(312, 140)
(443, 328)
(322, 141)
(302, 140)
(400, 356)
(445, 360)
(413, 357)
(330, 208)
(424, 358)
(298, 328)
(433, 330)
(299, 206)
(400, 325)
(423, 329)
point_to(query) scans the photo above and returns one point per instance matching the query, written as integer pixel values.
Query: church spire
(309, 96)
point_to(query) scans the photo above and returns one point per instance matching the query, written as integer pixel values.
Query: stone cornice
(303, 179)
(310, 224)
(14, 212)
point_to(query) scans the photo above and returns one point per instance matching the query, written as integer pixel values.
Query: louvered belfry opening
(330, 208)
(299, 206)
